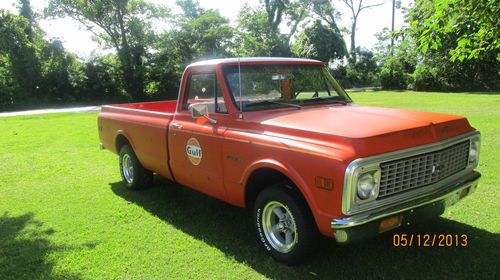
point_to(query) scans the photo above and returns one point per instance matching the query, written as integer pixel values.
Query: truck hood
(365, 130)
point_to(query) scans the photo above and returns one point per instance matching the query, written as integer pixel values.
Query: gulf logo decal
(193, 151)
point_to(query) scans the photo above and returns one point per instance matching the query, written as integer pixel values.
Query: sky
(78, 40)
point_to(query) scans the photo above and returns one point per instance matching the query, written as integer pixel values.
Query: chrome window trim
(352, 206)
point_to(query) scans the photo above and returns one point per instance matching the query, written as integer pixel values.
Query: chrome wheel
(128, 168)
(279, 227)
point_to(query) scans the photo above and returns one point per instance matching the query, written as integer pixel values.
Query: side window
(204, 88)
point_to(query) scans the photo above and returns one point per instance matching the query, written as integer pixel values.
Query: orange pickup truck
(280, 136)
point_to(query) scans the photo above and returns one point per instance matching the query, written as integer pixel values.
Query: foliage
(34, 71)
(199, 34)
(365, 71)
(124, 25)
(207, 35)
(259, 33)
(421, 61)
(256, 37)
(382, 48)
(469, 30)
(437, 72)
(62, 75)
(326, 11)
(19, 50)
(293, 12)
(394, 75)
(166, 65)
(320, 42)
(101, 82)
(398, 64)
(7, 84)
(340, 74)
(457, 44)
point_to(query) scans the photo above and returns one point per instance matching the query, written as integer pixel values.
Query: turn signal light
(323, 183)
(390, 223)
(464, 193)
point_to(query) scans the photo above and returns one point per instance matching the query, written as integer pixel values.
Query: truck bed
(165, 107)
(144, 126)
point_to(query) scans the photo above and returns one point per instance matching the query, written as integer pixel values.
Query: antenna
(239, 78)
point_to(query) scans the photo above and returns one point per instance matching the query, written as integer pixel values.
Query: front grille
(421, 170)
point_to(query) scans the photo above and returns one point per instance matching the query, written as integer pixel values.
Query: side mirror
(200, 110)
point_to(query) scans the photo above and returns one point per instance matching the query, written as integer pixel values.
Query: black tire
(139, 178)
(305, 235)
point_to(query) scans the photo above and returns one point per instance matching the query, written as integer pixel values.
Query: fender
(286, 170)
(129, 140)
(124, 134)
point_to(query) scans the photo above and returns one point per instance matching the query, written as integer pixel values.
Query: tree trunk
(134, 83)
(353, 42)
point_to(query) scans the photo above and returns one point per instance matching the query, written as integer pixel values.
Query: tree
(17, 46)
(62, 74)
(27, 13)
(320, 42)
(365, 71)
(326, 12)
(35, 71)
(8, 85)
(397, 62)
(255, 37)
(259, 27)
(201, 33)
(277, 10)
(198, 34)
(165, 69)
(457, 43)
(102, 80)
(356, 6)
(124, 25)
(471, 27)
(190, 8)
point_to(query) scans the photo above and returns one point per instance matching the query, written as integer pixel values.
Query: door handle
(177, 125)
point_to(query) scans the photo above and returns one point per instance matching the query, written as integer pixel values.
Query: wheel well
(120, 141)
(262, 178)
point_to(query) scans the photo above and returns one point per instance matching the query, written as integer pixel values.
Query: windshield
(272, 86)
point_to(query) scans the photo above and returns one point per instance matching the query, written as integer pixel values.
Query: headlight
(474, 151)
(368, 185)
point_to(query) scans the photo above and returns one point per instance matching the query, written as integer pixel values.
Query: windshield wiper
(273, 102)
(327, 99)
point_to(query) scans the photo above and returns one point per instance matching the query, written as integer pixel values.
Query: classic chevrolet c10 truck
(280, 136)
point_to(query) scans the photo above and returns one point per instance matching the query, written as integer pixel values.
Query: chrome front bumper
(364, 225)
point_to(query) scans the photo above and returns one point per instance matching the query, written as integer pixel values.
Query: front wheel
(284, 225)
(134, 175)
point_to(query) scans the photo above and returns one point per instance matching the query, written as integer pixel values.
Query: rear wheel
(134, 175)
(284, 225)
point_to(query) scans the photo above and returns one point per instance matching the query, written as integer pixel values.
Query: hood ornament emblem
(435, 168)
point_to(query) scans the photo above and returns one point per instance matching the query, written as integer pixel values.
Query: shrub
(394, 75)
(427, 78)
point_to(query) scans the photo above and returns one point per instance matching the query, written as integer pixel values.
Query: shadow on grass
(375, 90)
(480, 92)
(229, 229)
(24, 247)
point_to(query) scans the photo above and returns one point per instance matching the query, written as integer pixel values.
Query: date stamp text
(429, 240)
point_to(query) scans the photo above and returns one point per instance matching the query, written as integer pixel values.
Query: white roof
(254, 59)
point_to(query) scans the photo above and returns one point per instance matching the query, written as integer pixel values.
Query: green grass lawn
(64, 214)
